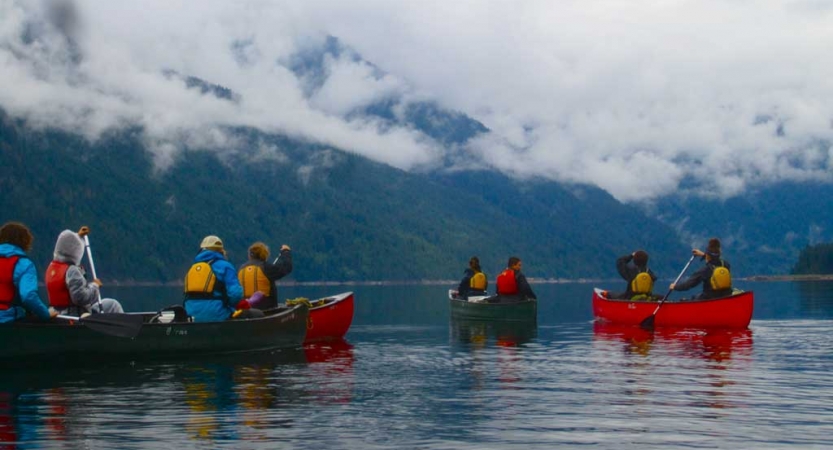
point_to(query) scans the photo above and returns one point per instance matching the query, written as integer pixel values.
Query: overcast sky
(638, 97)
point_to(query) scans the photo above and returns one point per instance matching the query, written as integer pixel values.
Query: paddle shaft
(677, 280)
(92, 269)
(65, 317)
(120, 325)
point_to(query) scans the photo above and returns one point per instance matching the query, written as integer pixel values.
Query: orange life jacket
(56, 285)
(506, 283)
(253, 279)
(8, 292)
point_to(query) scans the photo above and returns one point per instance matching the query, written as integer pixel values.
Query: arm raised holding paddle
(715, 276)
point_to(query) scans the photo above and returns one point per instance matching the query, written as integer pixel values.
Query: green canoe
(142, 336)
(495, 307)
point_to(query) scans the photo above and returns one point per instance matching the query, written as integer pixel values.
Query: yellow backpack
(642, 284)
(200, 280)
(478, 281)
(253, 279)
(721, 278)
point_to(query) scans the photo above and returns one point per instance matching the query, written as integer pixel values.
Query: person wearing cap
(18, 277)
(714, 276)
(633, 268)
(258, 275)
(212, 291)
(66, 283)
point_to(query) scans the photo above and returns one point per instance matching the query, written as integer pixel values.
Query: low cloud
(636, 98)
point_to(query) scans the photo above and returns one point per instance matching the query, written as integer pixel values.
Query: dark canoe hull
(520, 311)
(66, 340)
(331, 320)
(733, 312)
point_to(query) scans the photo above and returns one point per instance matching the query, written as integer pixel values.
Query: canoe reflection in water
(332, 363)
(711, 344)
(244, 401)
(719, 359)
(504, 334)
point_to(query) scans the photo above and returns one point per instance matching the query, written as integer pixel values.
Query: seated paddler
(66, 283)
(715, 276)
(212, 291)
(512, 284)
(258, 275)
(633, 268)
(19, 297)
(474, 281)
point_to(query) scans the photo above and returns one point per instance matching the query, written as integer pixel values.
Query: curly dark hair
(16, 233)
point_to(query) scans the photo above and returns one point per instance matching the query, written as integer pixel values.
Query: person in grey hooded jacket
(66, 283)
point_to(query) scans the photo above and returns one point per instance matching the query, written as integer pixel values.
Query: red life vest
(8, 291)
(506, 283)
(56, 285)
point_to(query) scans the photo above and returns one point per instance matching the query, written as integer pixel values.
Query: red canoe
(727, 312)
(329, 318)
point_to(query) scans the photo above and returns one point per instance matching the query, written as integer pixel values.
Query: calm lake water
(409, 377)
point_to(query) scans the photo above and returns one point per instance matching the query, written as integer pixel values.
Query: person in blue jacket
(212, 291)
(18, 277)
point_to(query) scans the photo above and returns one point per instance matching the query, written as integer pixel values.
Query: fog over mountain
(708, 98)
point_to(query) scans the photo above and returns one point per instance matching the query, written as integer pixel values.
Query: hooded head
(69, 248)
(713, 249)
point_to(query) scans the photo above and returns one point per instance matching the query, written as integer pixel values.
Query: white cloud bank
(635, 97)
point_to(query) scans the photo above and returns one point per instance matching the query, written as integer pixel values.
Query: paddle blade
(120, 325)
(648, 323)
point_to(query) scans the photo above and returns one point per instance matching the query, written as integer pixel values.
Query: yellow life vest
(642, 284)
(721, 278)
(253, 279)
(200, 281)
(478, 281)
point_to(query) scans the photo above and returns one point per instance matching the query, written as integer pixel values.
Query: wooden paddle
(648, 323)
(121, 325)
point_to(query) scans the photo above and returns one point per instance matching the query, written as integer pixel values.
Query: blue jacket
(216, 310)
(25, 277)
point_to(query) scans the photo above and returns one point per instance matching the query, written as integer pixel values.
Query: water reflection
(714, 345)
(228, 397)
(816, 297)
(650, 355)
(8, 419)
(332, 364)
(503, 334)
(208, 390)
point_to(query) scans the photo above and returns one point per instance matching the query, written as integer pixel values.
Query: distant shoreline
(815, 277)
(454, 283)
